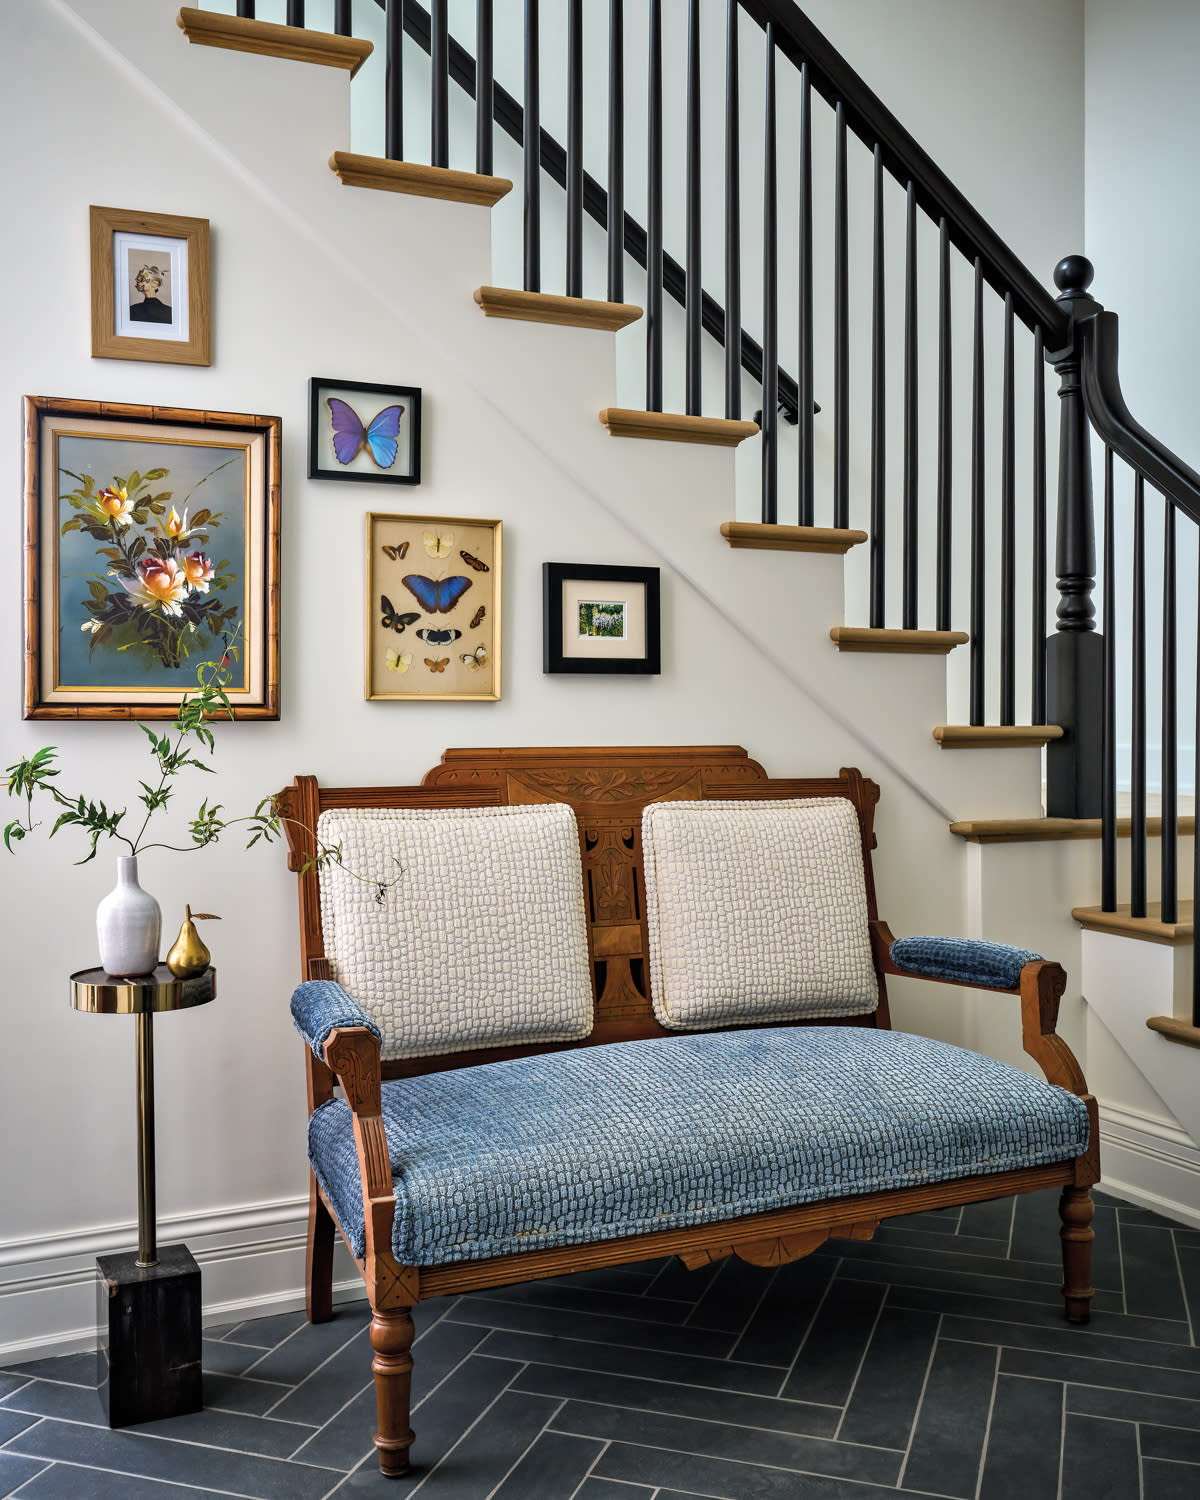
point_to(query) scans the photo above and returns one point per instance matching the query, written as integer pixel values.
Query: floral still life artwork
(154, 594)
(151, 541)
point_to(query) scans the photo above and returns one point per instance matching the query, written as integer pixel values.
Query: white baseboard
(1151, 1162)
(251, 1257)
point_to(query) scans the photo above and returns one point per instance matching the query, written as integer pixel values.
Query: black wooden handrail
(510, 117)
(1114, 422)
(870, 119)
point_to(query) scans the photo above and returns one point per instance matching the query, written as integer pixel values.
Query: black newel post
(1075, 652)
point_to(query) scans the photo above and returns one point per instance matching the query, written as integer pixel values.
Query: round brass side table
(149, 1300)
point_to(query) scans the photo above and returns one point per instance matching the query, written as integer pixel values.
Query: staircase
(883, 576)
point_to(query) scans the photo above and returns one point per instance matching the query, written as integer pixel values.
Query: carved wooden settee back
(607, 788)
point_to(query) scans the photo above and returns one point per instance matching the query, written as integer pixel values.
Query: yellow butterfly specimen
(476, 659)
(437, 666)
(439, 543)
(398, 661)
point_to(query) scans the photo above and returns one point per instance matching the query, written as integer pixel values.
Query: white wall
(312, 278)
(1142, 222)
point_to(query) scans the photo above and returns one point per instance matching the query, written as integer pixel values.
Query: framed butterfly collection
(364, 431)
(433, 608)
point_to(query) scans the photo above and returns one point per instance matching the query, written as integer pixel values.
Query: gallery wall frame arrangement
(600, 618)
(433, 608)
(362, 430)
(151, 547)
(151, 289)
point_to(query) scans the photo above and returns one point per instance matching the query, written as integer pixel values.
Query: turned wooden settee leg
(1075, 1210)
(391, 1339)
(319, 1270)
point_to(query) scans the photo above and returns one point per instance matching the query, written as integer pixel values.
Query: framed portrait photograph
(150, 287)
(433, 608)
(361, 430)
(151, 547)
(598, 618)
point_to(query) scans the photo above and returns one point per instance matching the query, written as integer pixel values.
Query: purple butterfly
(350, 436)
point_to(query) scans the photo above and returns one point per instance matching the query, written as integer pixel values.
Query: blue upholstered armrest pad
(963, 960)
(320, 1006)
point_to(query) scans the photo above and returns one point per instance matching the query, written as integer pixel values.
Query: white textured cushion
(756, 911)
(483, 940)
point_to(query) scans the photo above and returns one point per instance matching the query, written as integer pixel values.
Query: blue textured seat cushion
(602, 1142)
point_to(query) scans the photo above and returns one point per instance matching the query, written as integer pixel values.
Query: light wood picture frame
(151, 547)
(151, 296)
(433, 608)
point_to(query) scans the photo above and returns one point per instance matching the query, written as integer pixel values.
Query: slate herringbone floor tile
(931, 1361)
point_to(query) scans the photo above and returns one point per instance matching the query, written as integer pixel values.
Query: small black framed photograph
(598, 618)
(363, 430)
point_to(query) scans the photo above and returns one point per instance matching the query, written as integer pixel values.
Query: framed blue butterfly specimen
(365, 431)
(434, 580)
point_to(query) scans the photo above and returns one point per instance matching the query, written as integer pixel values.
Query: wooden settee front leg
(1075, 1209)
(391, 1339)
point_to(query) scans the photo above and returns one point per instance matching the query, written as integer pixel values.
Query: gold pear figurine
(189, 957)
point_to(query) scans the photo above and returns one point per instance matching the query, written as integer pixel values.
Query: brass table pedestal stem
(149, 1303)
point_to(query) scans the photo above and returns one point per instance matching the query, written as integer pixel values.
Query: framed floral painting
(152, 546)
(433, 608)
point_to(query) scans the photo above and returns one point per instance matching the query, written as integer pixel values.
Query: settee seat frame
(608, 789)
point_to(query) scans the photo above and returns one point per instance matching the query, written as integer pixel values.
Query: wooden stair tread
(382, 173)
(1150, 928)
(994, 736)
(295, 43)
(548, 307)
(1175, 1030)
(1047, 830)
(907, 642)
(674, 427)
(762, 536)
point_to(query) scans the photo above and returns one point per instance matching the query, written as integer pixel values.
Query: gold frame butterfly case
(433, 608)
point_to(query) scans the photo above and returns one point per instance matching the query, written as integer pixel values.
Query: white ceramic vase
(128, 924)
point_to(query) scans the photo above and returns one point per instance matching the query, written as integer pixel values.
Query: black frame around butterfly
(613, 582)
(320, 423)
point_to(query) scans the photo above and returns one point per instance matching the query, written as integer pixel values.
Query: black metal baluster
(693, 307)
(575, 149)
(945, 437)
(343, 18)
(804, 374)
(1170, 727)
(295, 12)
(1039, 529)
(439, 58)
(616, 151)
(841, 327)
(733, 221)
(1108, 748)
(654, 227)
(770, 395)
(1008, 528)
(532, 149)
(909, 600)
(1137, 738)
(245, 9)
(978, 597)
(878, 409)
(394, 86)
(1196, 838)
(484, 87)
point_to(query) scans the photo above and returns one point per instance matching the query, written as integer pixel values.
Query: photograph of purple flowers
(152, 547)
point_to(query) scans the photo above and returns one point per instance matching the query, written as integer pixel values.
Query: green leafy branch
(173, 752)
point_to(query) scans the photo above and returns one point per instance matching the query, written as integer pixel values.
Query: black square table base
(150, 1331)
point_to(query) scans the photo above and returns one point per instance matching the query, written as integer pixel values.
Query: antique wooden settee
(723, 1122)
